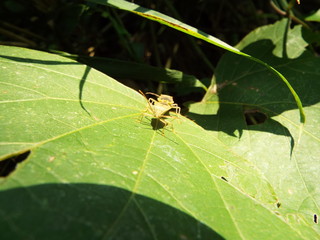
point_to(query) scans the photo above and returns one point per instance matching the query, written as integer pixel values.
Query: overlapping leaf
(289, 161)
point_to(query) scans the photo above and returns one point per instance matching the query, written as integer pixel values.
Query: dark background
(87, 29)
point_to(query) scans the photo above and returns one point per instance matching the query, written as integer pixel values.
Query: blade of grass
(173, 23)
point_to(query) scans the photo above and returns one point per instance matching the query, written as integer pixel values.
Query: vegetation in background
(76, 27)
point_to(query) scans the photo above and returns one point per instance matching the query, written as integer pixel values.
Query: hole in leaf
(278, 204)
(315, 218)
(254, 116)
(9, 165)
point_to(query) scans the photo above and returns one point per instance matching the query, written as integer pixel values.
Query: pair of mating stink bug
(159, 108)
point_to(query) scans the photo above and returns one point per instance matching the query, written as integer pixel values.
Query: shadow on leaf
(244, 84)
(89, 211)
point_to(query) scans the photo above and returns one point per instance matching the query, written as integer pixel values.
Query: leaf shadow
(90, 211)
(38, 61)
(235, 125)
(81, 85)
(243, 83)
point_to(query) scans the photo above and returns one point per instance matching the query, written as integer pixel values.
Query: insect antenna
(150, 93)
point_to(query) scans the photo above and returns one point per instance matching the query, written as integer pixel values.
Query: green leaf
(114, 68)
(178, 25)
(315, 17)
(95, 171)
(288, 158)
(209, 105)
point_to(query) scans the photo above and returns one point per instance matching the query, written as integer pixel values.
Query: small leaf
(315, 17)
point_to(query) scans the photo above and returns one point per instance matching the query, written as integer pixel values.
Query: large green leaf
(94, 171)
(288, 158)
